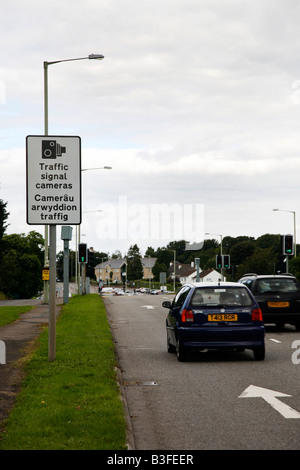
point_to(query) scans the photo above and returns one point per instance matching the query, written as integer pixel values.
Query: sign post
(53, 181)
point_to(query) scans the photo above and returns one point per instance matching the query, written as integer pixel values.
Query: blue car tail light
(256, 315)
(187, 315)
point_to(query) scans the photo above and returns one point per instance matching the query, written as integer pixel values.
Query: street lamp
(101, 168)
(86, 169)
(219, 235)
(294, 217)
(77, 263)
(52, 263)
(174, 282)
(46, 64)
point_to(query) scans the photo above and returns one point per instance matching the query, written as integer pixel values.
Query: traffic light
(223, 261)
(288, 245)
(226, 261)
(219, 263)
(91, 256)
(82, 253)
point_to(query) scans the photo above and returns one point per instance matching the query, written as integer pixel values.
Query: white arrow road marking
(270, 397)
(275, 340)
(147, 306)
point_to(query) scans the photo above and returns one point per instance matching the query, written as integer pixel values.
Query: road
(204, 403)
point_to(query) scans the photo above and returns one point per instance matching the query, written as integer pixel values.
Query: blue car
(210, 315)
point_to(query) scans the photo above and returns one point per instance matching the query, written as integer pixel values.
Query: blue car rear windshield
(221, 296)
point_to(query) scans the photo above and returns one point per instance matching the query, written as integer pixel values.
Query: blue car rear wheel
(171, 348)
(259, 353)
(180, 351)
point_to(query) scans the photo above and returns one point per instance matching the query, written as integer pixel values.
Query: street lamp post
(52, 260)
(77, 263)
(174, 282)
(219, 235)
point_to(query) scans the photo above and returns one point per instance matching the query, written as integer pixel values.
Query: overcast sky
(196, 105)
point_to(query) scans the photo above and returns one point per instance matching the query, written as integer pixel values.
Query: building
(111, 270)
(148, 264)
(188, 273)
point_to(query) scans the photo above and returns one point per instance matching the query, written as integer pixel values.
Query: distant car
(278, 297)
(119, 292)
(107, 291)
(214, 316)
(155, 292)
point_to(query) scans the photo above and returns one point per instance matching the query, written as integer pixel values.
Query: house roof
(205, 272)
(148, 262)
(185, 270)
(114, 263)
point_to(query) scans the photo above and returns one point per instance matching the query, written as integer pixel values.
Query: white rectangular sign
(53, 179)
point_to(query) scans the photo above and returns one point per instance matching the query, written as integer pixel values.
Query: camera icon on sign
(51, 149)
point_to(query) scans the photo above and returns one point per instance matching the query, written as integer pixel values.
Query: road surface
(205, 403)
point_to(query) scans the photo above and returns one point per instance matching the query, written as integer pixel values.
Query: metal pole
(174, 270)
(197, 262)
(295, 244)
(222, 270)
(79, 265)
(52, 294)
(66, 271)
(52, 262)
(76, 261)
(46, 228)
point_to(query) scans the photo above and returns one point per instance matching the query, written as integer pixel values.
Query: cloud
(195, 102)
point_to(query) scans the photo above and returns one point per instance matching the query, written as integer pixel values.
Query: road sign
(53, 178)
(45, 273)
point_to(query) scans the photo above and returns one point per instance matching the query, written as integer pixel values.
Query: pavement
(17, 338)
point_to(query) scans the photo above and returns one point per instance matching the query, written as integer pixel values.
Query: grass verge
(11, 314)
(74, 402)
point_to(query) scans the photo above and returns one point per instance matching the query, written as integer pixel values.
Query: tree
(159, 268)
(150, 252)
(179, 247)
(262, 261)
(3, 216)
(294, 267)
(241, 251)
(21, 265)
(134, 264)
